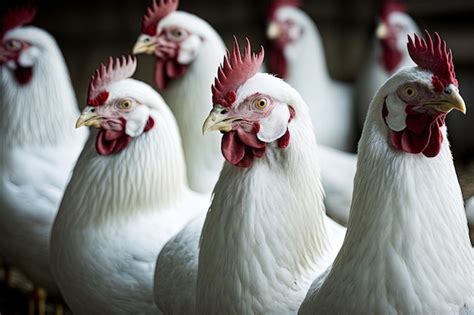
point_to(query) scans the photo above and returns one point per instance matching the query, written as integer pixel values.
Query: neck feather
(307, 63)
(147, 175)
(44, 110)
(190, 100)
(265, 229)
(407, 233)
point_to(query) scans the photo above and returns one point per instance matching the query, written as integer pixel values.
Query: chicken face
(118, 121)
(249, 125)
(19, 56)
(415, 112)
(249, 108)
(112, 109)
(175, 38)
(17, 52)
(175, 48)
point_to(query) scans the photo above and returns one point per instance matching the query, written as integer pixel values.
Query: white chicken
(266, 233)
(188, 51)
(127, 196)
(387, 55)
(38, 146)
(407, 249)
(297, 55)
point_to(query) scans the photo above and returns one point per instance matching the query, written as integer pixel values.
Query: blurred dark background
(90, 31)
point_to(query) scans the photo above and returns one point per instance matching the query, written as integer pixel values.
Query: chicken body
(188, 94)
(407, 227)
(266, 233)
(120, 208)
(38, 150)
(298, 56)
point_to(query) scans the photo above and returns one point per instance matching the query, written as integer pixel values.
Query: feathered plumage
(387, 54)
(39, 145)
(187, 51)
(266, 233)
(122, 203)
(407, 227)
(297, 55)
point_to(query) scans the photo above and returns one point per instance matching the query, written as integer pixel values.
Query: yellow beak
(218, 120)
(90, 120)
(448, 102)
(382, 31)
(273, 31)
(144, 47)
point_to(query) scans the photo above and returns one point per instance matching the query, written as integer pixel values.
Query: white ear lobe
(396, 118)
(274, 126)
(189, 49)
(136, 121)
(29, 56)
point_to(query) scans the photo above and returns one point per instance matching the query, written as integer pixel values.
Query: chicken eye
(126, 104)
(13, 45)
(261, 103)
(410, 91)
(177, 33)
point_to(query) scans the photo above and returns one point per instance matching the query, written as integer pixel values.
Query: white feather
(372, 74)
(265, 235)
(117, 213)
(38, 149)
(331, 110)
(189, 98)
(407, 249)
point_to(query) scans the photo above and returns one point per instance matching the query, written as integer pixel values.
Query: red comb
(16, 17)
(434, 57)
(155, 12)
(276, 4)
(390, 6)
(116, 70)
(235, 70)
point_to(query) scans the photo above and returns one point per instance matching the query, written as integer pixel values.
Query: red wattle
(422, 134)
(232, 148)
(106, 147)
(112, 137)
(413, 143)
(167, 70)
(249, 139)
(23, 75)
(436, 140)
(284, 141)
(390, 56)
(247, 160)
(277, 63)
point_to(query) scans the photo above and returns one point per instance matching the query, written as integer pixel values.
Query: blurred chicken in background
(187, 51)
(388, 53)
(297, 56)
(38, 147)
